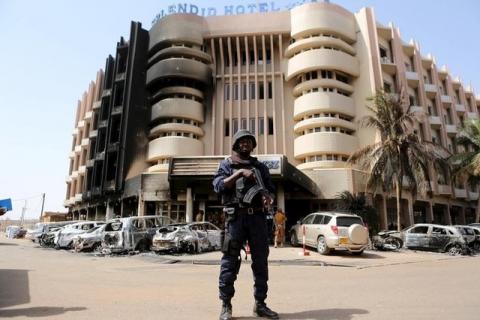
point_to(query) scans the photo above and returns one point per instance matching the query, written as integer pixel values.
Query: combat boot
(226, 313)
(260, 309)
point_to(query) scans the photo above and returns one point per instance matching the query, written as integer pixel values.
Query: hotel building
(151, 130)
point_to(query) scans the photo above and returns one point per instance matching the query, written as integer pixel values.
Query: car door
(316, 229)
(438, 238)
(213, 235)
(417, 237)
(309, 230)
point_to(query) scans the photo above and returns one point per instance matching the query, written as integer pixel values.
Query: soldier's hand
(248, 174)
(267, 201)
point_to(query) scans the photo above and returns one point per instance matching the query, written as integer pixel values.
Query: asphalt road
(49, 284)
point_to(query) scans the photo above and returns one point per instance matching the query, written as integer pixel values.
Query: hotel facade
(151, 130)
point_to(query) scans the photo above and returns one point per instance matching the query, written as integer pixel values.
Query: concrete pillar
(109, 214)
(96, 213)
(87, 215)
(280, 197)
(430, 212)
(141, 205)
(201, 206)
(448, 217)
(189, 206)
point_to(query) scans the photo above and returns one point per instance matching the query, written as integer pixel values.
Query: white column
(201, 206)
(109, 213)
(281, 197)
(141, 204)
(189, 206)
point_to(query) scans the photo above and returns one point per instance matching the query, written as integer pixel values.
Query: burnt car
(434, 237)
(132, 233)
(47, 240)
(192, 237)
(90, 240)
(64, 238)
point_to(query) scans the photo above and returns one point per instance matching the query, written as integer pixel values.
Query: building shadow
(15, 290)
(364, 255)
(8, 244)
(322, 314)
(37, 311)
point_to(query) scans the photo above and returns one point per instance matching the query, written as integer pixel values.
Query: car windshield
(114, 226)
(348, 221)
(93, 229)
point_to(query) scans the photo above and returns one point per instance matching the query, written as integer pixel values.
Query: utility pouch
(231, 246)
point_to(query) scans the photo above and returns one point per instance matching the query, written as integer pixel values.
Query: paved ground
(50, 284)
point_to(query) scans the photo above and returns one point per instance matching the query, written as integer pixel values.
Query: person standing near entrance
(199, 216)
(247, 191)
(279, 219)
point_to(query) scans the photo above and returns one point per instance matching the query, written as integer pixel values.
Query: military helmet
(242, 134)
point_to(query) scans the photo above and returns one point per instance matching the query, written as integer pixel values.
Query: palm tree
(466, 164)
(400, 159)
(357, 204)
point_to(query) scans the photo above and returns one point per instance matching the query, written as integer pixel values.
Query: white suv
(327, 231)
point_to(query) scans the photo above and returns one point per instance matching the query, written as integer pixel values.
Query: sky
(50, 51)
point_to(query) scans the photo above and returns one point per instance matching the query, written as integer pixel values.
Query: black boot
(226, 313)
(260, 309)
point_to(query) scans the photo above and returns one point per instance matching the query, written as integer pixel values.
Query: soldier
(247, 194)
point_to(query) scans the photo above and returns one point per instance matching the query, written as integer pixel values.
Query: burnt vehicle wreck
(193, 237)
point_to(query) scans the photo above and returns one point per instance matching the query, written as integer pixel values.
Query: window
(261, 91)
(268, 56)
(252, 126)
(235, 125)
(318, 219)
(270, 125)
(244, 123)
(419, 230)
(235, 91)
(252, 90)
(261, 126)
(270, 90)
(244, 91)
(227, 91)
(387, 87)
(308, 219)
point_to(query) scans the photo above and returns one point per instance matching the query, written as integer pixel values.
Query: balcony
(71, 155)
(472, 115)
(96, 191)
(460, 108)
(388, 66)
(88, 115)
(78, 197)
(100, 156)
(90, 163)
(430, 90)
(68, 179)
(120, 77)
(96, 105)
(435, 121)
(417, 109)
(412, 78)
(106, 93)
(472, 195)
(93, 134)
(117, 110)
(444, 189)
(460, 193)
(103, 124)
(447, 100)
(81, 124)
(113, 146)
(77, 149)
(109, 185)
(84, 142)
(75, 131)
(451, 129)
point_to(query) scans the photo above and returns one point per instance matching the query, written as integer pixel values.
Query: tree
(466, 164)
(399, 159)
(357, 204)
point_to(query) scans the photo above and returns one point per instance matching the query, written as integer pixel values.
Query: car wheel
(476, 246)
(454, 249)
(394, 242)
(322, 247)
(293, 239)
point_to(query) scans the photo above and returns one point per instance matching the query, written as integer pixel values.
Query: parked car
(47, 240)
(476, 225)
(434, 237)
(64, 238)
(132, 233)
(90, 240)
(43, 228)
(15, 232)
(187, 237)
(476, 244)
(327, 231)
(468, 234)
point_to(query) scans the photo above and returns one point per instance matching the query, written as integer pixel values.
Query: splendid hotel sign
(226, 10)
